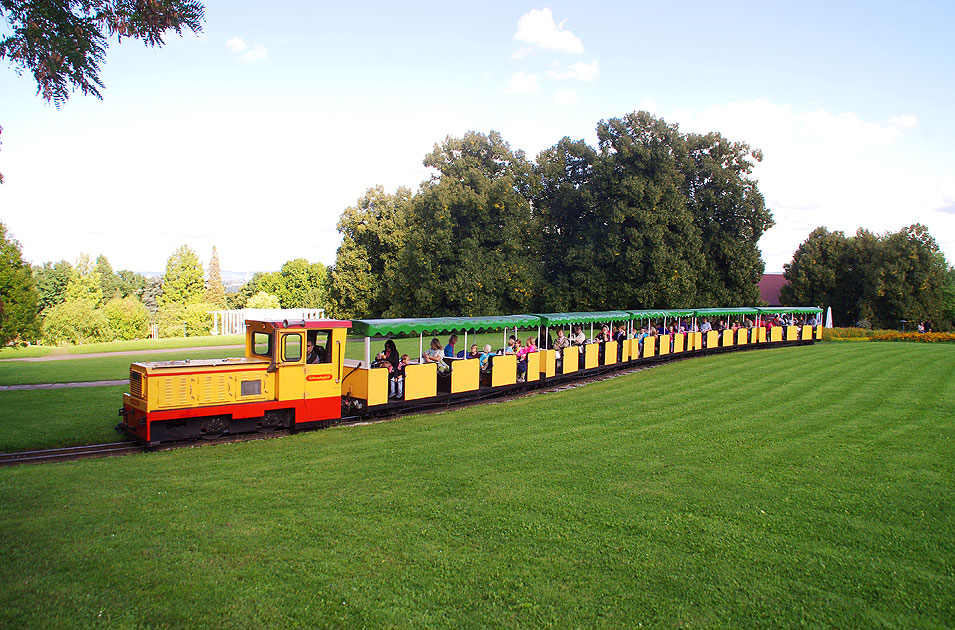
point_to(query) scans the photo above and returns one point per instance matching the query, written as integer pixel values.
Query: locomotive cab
(306, 358)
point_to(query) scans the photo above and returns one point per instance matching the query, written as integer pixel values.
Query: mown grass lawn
(94, 369)
(788, 487)
(122, 346)
(49, 418)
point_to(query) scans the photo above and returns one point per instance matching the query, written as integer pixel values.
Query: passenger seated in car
(560, 343)
(485, 358)
(521, 351)
(449, 349)
(473, 353)
(436, 355)
(511, 343)
(577, 337)
(396, 388)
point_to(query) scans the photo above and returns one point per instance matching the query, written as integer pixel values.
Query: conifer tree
(215, 291)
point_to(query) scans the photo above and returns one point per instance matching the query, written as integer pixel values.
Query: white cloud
(537, 27)
(832, 169)
(236, 45)
(565, 97)
(244, 52)
(521, 53)
(905, 121)
(580, 71)
(522, 83)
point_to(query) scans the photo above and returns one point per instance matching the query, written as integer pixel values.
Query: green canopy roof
(563, 319)
(653, 313)
(385, 327)
(732, 310)
(790, 309)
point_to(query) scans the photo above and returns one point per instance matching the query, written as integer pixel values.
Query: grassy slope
(802, 486)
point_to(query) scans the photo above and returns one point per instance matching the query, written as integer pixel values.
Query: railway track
(70, 453)
(113, 449)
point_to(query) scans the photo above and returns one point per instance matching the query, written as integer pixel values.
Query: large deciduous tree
(63, 42)
(51, 281)
(731, 216)
(648, 243)
(872, 279)
(567, 206)
(473, 241)
(373, 233)
(18, 298)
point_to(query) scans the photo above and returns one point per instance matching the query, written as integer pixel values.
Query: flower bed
(933, 337)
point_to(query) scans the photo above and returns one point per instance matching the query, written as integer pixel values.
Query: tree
(85, 283)
(731, 215)
(127, 318)
(648, 248)
(373, 233)
(812, 275)
(263, 300)
(131, 284)
(566, 203)
(302, 284)
(152, 293)
(868, 279)
(185, 320)
(184, 282)
(51, 281)
(215, 291)
(75, 321)
(913, 278)
(63, 42)
(472, 243)
(108, 281)
(18, 297)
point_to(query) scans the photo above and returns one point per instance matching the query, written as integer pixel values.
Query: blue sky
(256, 134)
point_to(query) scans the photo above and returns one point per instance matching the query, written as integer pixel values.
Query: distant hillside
(231, 280)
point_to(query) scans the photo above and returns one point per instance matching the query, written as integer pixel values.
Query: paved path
(94, 355)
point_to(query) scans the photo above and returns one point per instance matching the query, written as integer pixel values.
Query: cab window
(262, 344)
(293, 348)
(319, 347)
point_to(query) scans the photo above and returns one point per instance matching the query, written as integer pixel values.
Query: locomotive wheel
(268, 424)
(273, 420)
(214, 428)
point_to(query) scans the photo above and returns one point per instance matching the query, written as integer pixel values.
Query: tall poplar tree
(215, 290)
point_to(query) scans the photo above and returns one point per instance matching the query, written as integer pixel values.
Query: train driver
(315, 353)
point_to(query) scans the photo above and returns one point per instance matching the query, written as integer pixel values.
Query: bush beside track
(787, 487)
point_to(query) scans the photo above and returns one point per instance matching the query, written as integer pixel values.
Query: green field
(807, 486)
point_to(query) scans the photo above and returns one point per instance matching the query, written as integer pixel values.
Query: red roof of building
(770, 286)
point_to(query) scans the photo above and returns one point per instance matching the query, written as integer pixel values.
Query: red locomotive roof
(306, 323)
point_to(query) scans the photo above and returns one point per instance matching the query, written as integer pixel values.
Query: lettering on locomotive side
(318, 377)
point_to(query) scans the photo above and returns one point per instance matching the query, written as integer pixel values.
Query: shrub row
(865, 334)
(933, 337)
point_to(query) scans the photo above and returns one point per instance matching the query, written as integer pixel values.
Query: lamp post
(903, 324)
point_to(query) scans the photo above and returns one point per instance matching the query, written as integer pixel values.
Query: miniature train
(274, 386)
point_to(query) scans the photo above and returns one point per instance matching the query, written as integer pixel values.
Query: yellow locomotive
(295, 375)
